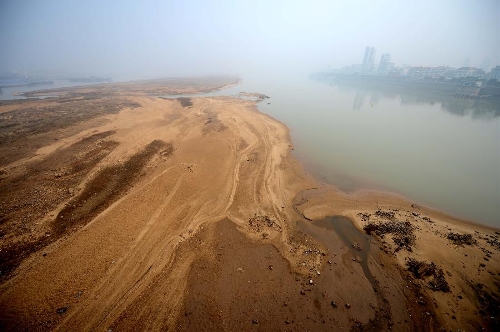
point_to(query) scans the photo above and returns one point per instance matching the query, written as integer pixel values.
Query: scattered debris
(493, 241)
(260, 222)
(461, 239)
(402, 232)
(364, 216)
(424, 270)
(385, 214)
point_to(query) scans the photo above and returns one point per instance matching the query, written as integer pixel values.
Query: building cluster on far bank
(386, 68)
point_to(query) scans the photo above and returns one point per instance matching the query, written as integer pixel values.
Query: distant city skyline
(176, 38)
(367, 66)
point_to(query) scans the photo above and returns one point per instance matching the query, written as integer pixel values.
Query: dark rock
(347, 306)
(334, 304)
(62, 310)
(424, 270)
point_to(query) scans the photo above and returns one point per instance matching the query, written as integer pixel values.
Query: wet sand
(176, 214)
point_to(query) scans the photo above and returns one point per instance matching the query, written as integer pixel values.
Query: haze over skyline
(158, 39)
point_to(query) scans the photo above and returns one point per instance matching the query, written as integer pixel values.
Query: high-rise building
(368, 60)
(384, 66)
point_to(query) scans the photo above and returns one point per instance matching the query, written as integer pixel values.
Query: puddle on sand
(357, 241)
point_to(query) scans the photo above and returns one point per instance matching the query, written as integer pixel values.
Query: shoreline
(365, 187)
(197, 224)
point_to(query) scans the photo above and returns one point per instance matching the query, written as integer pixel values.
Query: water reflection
(359, 99)
(476, 108)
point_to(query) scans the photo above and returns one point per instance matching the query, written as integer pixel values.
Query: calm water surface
(434, 149)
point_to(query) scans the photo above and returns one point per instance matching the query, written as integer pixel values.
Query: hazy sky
(171, 38)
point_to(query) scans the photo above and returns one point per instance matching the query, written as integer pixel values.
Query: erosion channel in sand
(123, 211)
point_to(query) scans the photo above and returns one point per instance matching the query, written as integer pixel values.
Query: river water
(437, 150)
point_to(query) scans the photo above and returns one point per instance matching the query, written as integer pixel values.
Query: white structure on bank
(474, 72)
(494, 74)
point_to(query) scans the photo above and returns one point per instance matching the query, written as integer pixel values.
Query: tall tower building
(383, 67)
(368, 60)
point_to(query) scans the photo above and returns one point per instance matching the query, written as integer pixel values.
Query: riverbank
(188, 214)
(461, 89)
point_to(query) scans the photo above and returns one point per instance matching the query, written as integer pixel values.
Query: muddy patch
(357, 242)
(244, 285)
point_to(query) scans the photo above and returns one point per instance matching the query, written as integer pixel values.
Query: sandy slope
(175, 249)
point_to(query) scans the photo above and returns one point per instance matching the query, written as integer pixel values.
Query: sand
(168, 214)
